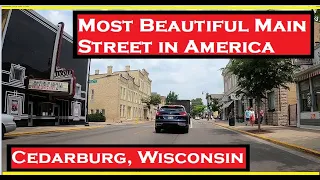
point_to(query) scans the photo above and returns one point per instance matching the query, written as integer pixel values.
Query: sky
(187, 77)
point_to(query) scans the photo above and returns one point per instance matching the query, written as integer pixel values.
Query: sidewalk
(292, 137)
(22, 131)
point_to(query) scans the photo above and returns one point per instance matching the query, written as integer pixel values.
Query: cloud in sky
(187, 77)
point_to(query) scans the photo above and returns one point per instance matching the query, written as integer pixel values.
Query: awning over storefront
(311, 72)
(227, 104)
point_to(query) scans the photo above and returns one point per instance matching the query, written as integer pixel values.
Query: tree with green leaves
(171, 97)
(196, 107)
(214, 105)
(154, 99)
(258, 76)
(197, 110)
(196, 102)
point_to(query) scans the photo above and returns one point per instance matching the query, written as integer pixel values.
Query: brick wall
(106, 96)
(282, 97)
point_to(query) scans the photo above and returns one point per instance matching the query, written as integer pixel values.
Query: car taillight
(157, 113)
(183, 113)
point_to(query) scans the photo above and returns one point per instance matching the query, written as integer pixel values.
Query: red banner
(103, 158)
(190, 33)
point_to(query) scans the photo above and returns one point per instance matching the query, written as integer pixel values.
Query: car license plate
(170, 117)
(181, 124)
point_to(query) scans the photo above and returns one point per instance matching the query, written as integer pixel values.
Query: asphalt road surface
(264, 155)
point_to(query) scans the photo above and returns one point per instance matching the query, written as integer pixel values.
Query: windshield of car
(172, 108)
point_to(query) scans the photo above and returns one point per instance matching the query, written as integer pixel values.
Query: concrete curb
(50, 131)
(291, 146)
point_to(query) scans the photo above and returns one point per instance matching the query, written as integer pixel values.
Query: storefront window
(271, 102)
(316, 93)
(46, 109)
(305, 96)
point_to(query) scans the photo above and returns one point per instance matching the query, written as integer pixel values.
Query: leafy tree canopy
(257, 76)
(171, 97)
(154, 99)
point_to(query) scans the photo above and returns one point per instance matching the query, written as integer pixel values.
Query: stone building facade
(277, 106)
(118, 95)
(316, 32)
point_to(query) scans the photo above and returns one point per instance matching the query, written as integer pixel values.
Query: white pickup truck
(8, 124)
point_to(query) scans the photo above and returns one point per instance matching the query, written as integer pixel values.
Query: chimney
(109, 72)
(96, 72)
(127, 68)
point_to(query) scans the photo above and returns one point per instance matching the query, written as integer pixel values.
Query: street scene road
(264, 156)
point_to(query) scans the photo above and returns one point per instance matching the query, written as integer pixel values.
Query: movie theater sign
(44, 85)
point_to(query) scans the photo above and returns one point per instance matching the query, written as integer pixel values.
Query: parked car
(197, 118)
(8, 124)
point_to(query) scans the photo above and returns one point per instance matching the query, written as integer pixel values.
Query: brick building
(316, 32)
(118, 94)
(277, 105)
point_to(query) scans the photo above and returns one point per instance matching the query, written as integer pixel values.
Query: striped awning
(308, 75)
(227, 104)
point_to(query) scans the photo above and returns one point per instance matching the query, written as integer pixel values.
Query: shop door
(57, 114)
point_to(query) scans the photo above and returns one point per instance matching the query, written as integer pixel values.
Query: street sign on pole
(93, 81)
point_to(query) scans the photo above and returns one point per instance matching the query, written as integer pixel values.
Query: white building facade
(232, 104)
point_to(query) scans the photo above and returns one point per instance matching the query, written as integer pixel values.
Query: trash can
(232, 121)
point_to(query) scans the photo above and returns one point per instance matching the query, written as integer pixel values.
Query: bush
(98, 117)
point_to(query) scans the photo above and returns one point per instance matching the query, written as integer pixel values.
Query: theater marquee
(44, 85)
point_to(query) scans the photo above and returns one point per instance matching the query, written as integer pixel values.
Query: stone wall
(280, 116)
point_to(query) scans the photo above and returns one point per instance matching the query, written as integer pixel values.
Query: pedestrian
(261, 116)
(252, 117)
(247, 114)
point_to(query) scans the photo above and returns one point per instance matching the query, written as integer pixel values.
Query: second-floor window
(92, 94)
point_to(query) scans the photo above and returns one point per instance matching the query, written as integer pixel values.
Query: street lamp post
(87, 96)
(208, 105)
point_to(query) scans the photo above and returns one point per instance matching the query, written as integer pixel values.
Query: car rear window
(172, 108)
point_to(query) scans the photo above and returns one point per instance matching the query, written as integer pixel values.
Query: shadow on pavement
(170, 131)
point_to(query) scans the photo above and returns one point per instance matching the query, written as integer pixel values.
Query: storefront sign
(44, 85)
(63, 74)
(310, 115)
